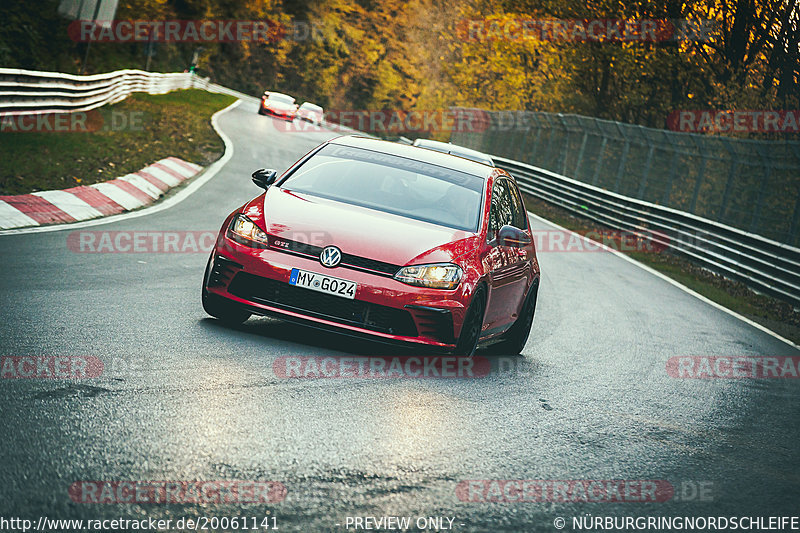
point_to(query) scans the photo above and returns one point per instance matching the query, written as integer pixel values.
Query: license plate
(323, 283)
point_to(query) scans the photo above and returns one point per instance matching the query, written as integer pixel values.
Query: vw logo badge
(330, 257)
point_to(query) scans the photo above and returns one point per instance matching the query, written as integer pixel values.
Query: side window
(502, 210)
(494, 223)
(520, 216)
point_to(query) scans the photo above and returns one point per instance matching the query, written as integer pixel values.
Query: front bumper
(286, 115)
(383, 308)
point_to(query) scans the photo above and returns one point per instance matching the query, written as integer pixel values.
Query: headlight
(437, 276)
(244, 231)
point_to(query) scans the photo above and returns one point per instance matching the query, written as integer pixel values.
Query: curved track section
(183, 397)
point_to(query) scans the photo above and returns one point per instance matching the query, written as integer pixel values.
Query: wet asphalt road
(183, 397)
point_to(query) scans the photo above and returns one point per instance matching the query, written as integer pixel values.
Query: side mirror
(512, 237)
(264, 178)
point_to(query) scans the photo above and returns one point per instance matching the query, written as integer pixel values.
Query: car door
(508, 266)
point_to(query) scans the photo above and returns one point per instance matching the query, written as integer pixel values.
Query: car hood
(358, 230)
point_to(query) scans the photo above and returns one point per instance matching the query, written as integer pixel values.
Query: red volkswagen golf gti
(384, 240)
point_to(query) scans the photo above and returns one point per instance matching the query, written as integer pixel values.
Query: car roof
(454, 149)
(310, 105)
(271, 93)
(412, 152)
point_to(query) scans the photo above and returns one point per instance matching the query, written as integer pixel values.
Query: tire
(473, 322)
(515, 338)
(221, 308)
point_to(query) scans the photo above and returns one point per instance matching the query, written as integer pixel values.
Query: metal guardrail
(749, 184)
(763, 264)
(30, 92)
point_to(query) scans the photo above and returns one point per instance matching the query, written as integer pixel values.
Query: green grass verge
(126, 137)
(775, 314)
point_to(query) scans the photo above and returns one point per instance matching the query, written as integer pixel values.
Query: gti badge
(330, 256)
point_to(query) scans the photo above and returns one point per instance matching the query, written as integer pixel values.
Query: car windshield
(392, 184)
(281, 98)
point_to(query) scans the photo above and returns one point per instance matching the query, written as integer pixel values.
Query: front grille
(353, 312)
(348, 260)
(369, 264)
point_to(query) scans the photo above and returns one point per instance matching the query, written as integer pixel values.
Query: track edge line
(675, 283)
